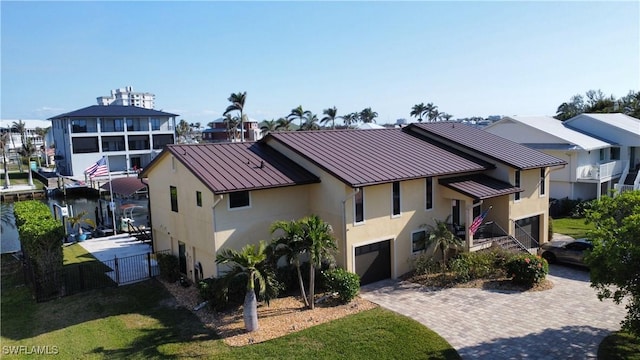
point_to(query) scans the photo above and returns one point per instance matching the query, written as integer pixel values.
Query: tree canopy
(614, 261)
(595, 101)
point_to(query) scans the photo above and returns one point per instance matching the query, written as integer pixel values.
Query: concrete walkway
(566, 322)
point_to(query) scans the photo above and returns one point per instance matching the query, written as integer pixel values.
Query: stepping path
(565, 322)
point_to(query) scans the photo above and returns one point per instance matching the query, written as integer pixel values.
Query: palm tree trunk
(30, 174)
(250, 311)
(312, 284)
(301, 284)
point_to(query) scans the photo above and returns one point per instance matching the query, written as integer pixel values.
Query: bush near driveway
(527, 269)
(345, 283)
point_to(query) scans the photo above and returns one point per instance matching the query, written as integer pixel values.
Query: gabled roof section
(557, 129)
(375, 156)
(479, 186)
(618, 120)
(492, 146)
(232, 167)
(111, 111)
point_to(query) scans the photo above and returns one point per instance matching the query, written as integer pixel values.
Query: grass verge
(142, 321)
(575, 228)
(619, 346)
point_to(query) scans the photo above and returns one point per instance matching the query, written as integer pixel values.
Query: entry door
(182, 256)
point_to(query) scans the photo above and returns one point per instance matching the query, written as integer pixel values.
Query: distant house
(15, 141)
(220, 133)
(377, 188)
(130, 136)
(598, 149)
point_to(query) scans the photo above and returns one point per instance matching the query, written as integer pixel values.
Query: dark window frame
(395, 199)
(239, 200)
(543, 183)
(516, 195)
(429, 193)
(416, 237)
(173, 193)
(199, 198)
(358, 206)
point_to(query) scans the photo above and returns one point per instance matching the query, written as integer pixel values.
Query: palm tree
(182, 130)
(367, 115)
(350, 118)
(441, 238)
(430, 111)
(78, 220)
(320, 243)
(4, 142)
(435, 115)
(249, 263)
(231, 123)
(268, 126)
(284, 124)
(290, 245)
(299, 113)
(28, 148)
(237, 104)
(311, 123)
(331, 115)
(21, 128)
(43, 134)
(446, 117)
(418, 110)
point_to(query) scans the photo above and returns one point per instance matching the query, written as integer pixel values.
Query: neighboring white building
(596, 164)
(15, 143)
(127, 97)
(130, 136)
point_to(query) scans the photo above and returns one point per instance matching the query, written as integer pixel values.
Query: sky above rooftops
(468, 58)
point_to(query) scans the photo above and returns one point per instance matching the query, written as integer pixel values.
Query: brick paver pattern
(565, 322)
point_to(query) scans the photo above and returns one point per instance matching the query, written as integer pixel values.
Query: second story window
(173, 191)
(395, 211)
(602, 155)
(358, 201)
(615, 153)
(239, 199)
(199, 198)
(155, 124)
(543, 184)
(429, 193)
(516, 196)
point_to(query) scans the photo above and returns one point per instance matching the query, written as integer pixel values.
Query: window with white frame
(395, 198)
(418, 241)
(516, 196)
(358, 202)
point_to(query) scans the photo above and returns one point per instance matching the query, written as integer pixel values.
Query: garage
(373, 262)
(531, 226)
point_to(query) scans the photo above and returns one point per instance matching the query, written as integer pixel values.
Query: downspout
(213, 224)
(344, 225)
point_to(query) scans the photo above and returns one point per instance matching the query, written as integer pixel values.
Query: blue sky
(468, 58)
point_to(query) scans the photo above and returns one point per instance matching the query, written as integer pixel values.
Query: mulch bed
(498, 283)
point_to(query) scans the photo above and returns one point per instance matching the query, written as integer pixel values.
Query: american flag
(98, 169)
(478, 221)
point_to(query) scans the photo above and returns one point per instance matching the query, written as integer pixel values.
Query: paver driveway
(567, 321)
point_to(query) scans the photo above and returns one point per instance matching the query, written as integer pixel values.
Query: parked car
(565, 251)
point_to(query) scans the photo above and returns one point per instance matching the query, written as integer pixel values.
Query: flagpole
(112, 203)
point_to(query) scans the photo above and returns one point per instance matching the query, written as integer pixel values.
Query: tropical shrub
(550, 232)
(527, 269)
(346, 284)
(222, 294)
(425, 264)
(169, 267)
(474, 265)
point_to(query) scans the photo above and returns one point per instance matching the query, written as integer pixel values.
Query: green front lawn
(76, 254)
(575, 228)
(141, 321)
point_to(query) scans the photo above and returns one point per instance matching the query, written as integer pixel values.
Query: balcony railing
(601, 171)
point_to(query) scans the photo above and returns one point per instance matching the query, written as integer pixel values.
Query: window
(159, 141)
(79, 126)
(602, 157)
(396, 198)
(516, 196)
(429, 191)
(615, 153)
(137, 124)
(358, 202)
(239, 199)
(199, 198)
(418, 241)
(83, 145)
(174, 198)
(155, 124)
(138, 142)
(113, 143)
(543, 185)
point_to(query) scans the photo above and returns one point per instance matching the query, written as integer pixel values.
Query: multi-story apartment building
(129, 136)
(127, 97)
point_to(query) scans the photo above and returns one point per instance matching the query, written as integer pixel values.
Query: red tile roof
(479, 186)
(231, 167)
(374, 156)
(492, 146)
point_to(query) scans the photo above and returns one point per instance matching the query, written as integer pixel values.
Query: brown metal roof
(479, 186)
(374, 156)
(493, 146)
(125, 186)
(231, 167)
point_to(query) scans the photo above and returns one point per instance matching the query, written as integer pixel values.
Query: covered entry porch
(488, 201)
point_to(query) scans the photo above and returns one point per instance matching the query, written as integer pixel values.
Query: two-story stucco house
(375, 187)
(130, 136)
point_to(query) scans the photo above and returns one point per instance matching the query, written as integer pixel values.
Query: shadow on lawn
(576, 342)
(23, 318)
